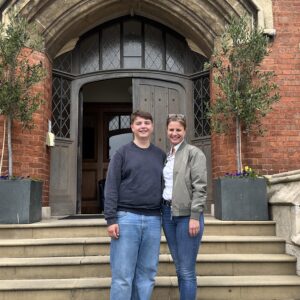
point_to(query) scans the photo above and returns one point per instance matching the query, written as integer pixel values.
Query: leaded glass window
(119, 133)
(119, 122)
(131, 43)
(125, 122)
(198, 62)
(61, 104)
(64, 62)
(114, 123)
(175, 54)
(89, 54)
(111, 52)
(201, 102)
(132, 46)
(153, 48)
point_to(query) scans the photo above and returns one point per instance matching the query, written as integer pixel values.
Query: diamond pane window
(89, 54)
(125, 122)
(198, 62)
(119, 132)
(63, 62)
(130, 43)
(119, 122)
(61, 104)
(111, 48)
(114, 123)
(175, 54)
(201, 102)
(153, 48)
(132, 47)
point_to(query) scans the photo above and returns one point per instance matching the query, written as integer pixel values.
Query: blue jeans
(134, 256)
(184, 250)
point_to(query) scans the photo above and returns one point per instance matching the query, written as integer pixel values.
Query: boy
(132, 211)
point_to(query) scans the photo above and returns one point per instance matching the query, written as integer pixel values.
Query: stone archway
(198, 20)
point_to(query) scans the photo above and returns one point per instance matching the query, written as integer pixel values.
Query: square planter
(20, 201)
(241, 199)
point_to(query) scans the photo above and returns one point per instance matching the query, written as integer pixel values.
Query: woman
(184, 197)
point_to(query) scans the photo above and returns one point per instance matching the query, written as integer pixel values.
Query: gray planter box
(20, 201)
(241, 199)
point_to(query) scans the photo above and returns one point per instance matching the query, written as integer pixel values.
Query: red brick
(279, 149)
(30, 155)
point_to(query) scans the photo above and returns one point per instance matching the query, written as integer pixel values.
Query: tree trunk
(238, 139)
(3, 146)
(9, 146)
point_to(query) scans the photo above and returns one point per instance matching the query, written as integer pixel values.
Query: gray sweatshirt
(134, 181)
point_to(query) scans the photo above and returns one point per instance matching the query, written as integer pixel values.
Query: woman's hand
(113, 231)
(194, 227)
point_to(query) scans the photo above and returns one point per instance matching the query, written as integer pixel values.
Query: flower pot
(240, 199)
(20, 201)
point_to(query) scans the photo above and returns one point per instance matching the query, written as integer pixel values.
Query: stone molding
(284, 188)
(201, 21)
(284, 198)
(264, 14)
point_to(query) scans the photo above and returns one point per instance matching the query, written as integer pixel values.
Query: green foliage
(17, 74)
(245, 93)
(18, 100)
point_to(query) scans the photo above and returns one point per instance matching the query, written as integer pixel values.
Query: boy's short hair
(142, 114)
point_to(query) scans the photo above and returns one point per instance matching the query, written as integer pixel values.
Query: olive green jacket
(189, 182)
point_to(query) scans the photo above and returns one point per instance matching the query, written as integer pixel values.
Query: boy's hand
(113, 231)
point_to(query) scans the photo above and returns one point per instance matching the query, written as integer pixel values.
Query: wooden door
(159, 98)
(62, 198)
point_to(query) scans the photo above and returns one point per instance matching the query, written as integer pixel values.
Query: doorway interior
(107, 106)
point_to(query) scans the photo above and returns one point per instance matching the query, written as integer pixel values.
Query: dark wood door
(159, 98)
(105, 128)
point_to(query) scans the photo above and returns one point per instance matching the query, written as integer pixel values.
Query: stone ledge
(296, 239)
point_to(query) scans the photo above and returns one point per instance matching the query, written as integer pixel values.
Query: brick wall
(31, 156)
(279, 149)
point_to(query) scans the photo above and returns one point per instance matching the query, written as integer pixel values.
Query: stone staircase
(69, 260)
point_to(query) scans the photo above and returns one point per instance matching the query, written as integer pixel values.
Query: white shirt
(168, 174)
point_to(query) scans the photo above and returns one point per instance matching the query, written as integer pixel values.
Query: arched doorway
(129, 57)
(62, 23)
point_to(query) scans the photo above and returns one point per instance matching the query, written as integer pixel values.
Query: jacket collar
(182, 145)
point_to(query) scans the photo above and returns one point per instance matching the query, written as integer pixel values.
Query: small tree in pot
(245, 92)
(18, 40)
(245, 95)
(20, 200)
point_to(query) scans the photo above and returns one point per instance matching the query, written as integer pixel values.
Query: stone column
(284, 200)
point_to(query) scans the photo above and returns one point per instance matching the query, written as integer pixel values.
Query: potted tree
(245, 95)
(20, 199)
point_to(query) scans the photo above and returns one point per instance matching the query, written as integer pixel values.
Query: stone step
(56, 228)
(100, 246)
(244, 228)
(235, 265)
(210, 288)
(98, 266)
(234, 288)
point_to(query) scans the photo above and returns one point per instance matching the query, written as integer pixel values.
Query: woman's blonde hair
(177, 118)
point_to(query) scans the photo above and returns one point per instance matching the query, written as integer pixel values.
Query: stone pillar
(284, 200)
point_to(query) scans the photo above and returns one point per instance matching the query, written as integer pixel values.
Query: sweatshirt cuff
(111, 221)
